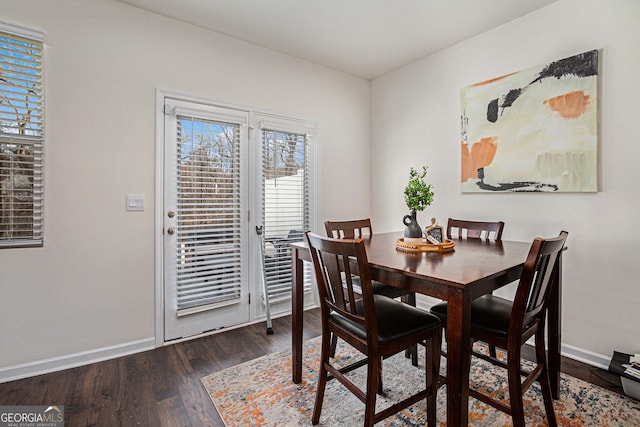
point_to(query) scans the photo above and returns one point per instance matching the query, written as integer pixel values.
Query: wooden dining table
(474, 268)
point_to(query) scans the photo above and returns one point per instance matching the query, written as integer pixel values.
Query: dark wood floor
(162, 387)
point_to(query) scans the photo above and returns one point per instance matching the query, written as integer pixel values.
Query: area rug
(260, 393)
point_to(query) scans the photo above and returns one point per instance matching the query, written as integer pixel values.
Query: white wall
(89, 292)
(416, 120)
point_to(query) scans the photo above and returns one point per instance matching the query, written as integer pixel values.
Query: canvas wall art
(534, 130)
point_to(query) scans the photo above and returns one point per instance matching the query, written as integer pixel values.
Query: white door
(205, 225)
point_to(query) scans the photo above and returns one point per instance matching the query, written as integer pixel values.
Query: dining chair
(360, 228)
(509, 324)
(474, 229)
(464, 228)
(375, 325)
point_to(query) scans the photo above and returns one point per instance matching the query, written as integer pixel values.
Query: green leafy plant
(418, 194)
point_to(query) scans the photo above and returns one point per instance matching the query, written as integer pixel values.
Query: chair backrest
(531, 297)
(349, 229)
(336, 262)
(474, 229)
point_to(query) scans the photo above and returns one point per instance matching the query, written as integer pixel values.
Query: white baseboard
(586, 356)
(11, 373)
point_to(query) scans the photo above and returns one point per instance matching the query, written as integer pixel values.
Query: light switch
(135, 202)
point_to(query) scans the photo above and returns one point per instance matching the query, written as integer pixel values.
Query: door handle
(171, 214)
(171, 231)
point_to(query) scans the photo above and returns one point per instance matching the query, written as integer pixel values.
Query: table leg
(554, 328)
(458, 358)
(297, 300)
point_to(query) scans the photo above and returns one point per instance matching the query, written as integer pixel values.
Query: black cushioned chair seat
(387, 290)
(396, 320)
(379, 288)
(489, 313)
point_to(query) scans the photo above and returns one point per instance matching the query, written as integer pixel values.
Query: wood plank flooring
(161, 387)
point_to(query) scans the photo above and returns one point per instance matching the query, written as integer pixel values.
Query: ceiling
(366, 38)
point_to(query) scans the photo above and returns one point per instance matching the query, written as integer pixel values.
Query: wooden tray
(446, 246)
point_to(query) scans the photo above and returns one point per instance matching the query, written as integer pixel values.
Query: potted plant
(417, 196)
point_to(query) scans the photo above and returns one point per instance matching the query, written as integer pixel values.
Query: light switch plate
(135, 202)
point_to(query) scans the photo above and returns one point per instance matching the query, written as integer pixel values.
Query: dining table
(474, 267)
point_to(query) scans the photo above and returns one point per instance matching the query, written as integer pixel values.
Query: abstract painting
(534, 130)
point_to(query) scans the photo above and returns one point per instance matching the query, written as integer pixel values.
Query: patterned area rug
(260, 393)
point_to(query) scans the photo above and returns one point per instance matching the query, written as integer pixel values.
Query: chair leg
(414, 355)
(373, 373)
(380, 386)
(545, 384)
(515, 388)
(411, 352)
(322, 379)
(334, 345)
(409, 298)
(432, 369)
(492, 351)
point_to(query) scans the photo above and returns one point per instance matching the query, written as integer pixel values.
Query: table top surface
(472, 260)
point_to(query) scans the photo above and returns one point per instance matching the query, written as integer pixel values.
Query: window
(21, 137)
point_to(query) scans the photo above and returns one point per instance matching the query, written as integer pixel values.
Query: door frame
(256, 311)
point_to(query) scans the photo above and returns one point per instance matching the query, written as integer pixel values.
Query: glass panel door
(205, 283)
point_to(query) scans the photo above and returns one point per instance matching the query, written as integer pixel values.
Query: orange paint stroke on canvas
(481, 155)
(495, 79)
(570, 105)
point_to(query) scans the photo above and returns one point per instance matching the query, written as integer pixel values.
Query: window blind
(286, 205)
(21, 137)
(208, 247)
